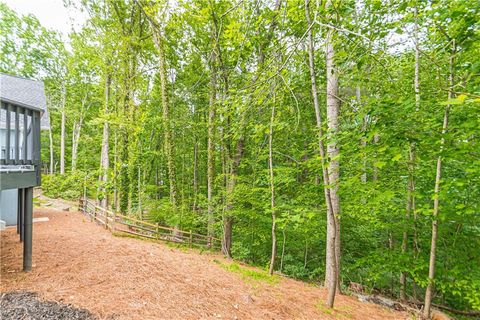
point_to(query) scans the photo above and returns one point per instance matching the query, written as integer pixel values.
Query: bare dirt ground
(78, 262)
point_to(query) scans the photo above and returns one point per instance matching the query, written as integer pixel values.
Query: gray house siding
(8, 206)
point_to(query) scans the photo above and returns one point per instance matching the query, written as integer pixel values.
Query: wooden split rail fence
(119, 223)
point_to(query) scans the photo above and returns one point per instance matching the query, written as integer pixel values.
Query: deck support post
(21, 197)
(19, 210)
(27, 223)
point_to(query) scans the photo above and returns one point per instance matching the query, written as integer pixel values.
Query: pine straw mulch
(79, 263)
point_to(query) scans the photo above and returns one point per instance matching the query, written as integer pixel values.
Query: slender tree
(104, 157)
(237, 150)
(211, 130)
(50, 136)
(272, 189)
(167, 126)
(438, 177)
(330, 260)
(333, 107)
(76, 130)
(62, 125)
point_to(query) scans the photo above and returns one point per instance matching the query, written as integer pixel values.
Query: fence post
(106, 218)
(191, 238)
(85, 204)
(85, 194)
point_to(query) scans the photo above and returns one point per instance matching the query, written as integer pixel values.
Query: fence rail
(119, 223)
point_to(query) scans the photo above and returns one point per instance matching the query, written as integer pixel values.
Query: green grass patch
(178, 246)
(249, 274)
(336, 312)
(323, 308)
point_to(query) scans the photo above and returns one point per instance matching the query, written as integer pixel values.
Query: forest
(336, 142)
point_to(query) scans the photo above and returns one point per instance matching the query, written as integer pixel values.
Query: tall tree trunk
(330, 277)
(115, 170)
(409, 211)
(231, 181)
(228, 170)
(62, 132)
(272, 190)
(139, 190)
(230, 162)
(75, 139)
(236, 158)
(76, 130)
(124, 178)
(333, 106)
(50, 140)
(167, 132)
(124, 181)
(438, 176)
(227, 229)
(211, 137)
(104, 160)
(305, 255)
(195, 174)
(358, 94)
(284, 240)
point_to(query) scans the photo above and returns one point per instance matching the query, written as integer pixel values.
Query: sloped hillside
(77, 262)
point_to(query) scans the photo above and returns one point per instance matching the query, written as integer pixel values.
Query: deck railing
(118, 223)
(19, 135)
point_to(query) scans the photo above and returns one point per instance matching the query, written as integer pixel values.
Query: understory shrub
(66, 186)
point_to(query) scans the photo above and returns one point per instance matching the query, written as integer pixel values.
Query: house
(23, 104)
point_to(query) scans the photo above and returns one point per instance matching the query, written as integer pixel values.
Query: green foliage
(257, 69)
(69, 187)
(26, 47)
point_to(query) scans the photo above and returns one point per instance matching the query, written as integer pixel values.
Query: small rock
(384, 301)
(247, 298)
